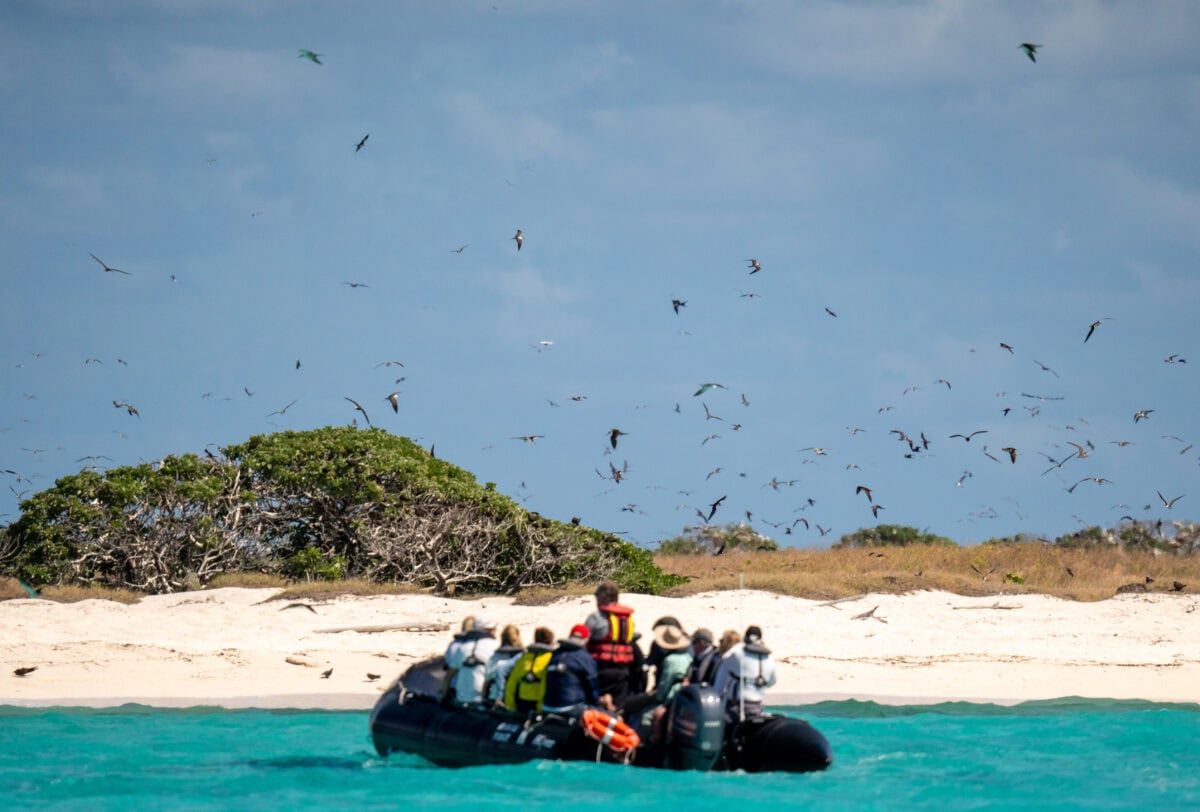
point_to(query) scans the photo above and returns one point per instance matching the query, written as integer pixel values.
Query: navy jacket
(571, 678)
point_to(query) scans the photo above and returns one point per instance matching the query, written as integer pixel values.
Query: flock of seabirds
(910, 444)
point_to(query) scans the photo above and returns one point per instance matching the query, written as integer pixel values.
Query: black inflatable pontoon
(410, 718)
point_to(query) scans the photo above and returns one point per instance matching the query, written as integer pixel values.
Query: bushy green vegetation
(890, 535)
(327, 504)
(711, 539)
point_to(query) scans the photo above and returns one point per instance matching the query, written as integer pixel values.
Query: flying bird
(1045, 368)
(299, 605)
(309, 55)
(968, 437)
(1168, 504)
(283, 410)
(357, 284)
(326, 673)
(529, 438)
(1012, 452)
(755, 266)
(358, 407)
(129, 407)
(830, 312)
(866, 490)
(1008, 347)
(1174, 358)
(106, 267)
(678, 303)
(460, 249)
(25, 670)
(1030, 50)
(362, 143)
(520, 238)
(1092, 328)
(1141, 414)
(613, 435)
(704, 387)
(712, 509)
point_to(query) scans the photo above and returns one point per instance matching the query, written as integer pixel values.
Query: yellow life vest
(527, 680)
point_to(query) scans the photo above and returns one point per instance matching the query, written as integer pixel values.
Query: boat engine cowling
(695, 729)
(426, 678)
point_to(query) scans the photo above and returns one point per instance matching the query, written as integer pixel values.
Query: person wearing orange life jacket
(612, 643)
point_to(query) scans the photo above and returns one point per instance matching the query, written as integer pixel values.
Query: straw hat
(670, 638)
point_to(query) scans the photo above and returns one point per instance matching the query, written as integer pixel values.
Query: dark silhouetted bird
(968, 437)
(362, 143)
(106, 268)
(1030, 50)
(309, 55)
(613, 435)
(358, 407)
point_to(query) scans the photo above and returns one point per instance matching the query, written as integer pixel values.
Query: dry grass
(323, 590)
(249, 580)
(10, 589)
(542, 596)
(1081, 575)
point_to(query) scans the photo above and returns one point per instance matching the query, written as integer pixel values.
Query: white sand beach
(237, 648)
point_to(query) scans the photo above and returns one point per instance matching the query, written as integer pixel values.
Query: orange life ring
(610, 731)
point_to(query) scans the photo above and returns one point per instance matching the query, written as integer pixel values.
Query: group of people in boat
(600, 664)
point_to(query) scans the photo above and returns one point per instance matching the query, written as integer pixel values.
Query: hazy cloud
(508, 135)
(960, 40)
(192, 74)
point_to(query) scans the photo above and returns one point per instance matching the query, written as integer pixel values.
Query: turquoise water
(1067, 754)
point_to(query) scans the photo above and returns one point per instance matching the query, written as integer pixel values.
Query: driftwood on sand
(390, 627)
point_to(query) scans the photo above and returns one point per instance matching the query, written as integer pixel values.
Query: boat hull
(455, 736)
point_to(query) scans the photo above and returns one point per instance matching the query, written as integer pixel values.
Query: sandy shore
(236, 648)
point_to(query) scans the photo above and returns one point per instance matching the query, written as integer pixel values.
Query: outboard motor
(695, 729)
(426, 678)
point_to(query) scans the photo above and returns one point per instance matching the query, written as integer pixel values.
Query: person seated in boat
(571, 677)
(654, 656)
(729, 639)
(705, 659)
(676, 659)
(466, 659)
(611, 642)
(495, 673)
(743, 675)
(526, 683)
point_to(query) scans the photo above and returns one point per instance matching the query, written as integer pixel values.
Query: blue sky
(902, 165)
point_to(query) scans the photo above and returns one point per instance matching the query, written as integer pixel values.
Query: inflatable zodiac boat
(411, 718)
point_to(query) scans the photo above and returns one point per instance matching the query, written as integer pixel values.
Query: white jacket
(469, 655)
(749, 671)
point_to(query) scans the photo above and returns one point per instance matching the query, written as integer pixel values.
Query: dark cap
(753, 634)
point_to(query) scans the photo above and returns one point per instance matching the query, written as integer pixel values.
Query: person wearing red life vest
(612, 643)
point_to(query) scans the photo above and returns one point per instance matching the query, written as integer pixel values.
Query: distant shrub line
(327, 504)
